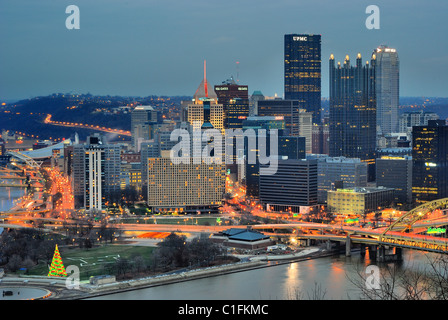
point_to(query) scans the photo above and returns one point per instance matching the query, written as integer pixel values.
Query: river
(280, 282)
(7, 197)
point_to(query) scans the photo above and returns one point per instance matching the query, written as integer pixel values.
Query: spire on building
(204, 91)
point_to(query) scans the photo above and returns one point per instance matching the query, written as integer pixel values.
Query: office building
(353, 111)
(184, 188)
(359, 201)
(430, 162)
(253, 102)
(142, 119)
(252, 170)
(302, 66)
(320, 139)
(408, 120)
(204, 100)
(348, 172)
(387, 71)
(292, 186)
(235, 101)
(96, 173)
(396, 172)
(297, 121)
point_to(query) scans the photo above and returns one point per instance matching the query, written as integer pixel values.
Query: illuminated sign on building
(300, 38)
(435, 230)
(430, 164)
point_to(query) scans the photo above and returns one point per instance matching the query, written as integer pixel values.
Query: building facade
(396, 172)
(350, 172)
(353, 111)
(294, 185)
(387, 72)
(185, 188)
(359, 201)
(302, 71)
(429, 162)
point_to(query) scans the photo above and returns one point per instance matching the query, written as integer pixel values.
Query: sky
(157, 47)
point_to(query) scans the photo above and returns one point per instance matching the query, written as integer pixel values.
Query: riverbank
(248, 263)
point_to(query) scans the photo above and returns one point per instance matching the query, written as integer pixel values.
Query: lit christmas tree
(57, 268)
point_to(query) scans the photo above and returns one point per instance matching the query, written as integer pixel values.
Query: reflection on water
(7, 197)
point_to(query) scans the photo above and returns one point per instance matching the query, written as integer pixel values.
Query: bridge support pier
(381, 254)
(363, 250)
(398, 254)
(372, 252)
(348, 246)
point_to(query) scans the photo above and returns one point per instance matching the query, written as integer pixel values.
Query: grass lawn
(91, 262)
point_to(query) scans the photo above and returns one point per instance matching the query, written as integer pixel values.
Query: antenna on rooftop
(237, 71)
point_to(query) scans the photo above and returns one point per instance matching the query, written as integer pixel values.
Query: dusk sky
(149, 47)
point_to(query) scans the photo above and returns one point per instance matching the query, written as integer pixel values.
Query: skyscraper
(430, 162)
(96, 172)
(396, 172)
(204, 101)
(298, 122)
(303, 71)
(185, 187)
(353, 111)
(235, 101)
(142, 118)
(387, 88)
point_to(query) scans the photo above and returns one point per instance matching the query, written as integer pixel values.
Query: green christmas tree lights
(57, 267)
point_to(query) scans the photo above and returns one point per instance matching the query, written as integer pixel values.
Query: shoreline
(143, 283)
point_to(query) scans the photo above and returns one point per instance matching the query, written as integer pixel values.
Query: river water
(288, 281)
(7, 197)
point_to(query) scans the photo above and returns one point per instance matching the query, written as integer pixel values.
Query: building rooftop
(244, 234)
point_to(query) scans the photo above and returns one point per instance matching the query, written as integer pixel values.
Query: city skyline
(163, 45)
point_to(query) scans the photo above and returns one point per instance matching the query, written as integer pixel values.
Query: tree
(430, 283)
(57, 267)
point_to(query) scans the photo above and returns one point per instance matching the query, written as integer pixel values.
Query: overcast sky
(157, 47)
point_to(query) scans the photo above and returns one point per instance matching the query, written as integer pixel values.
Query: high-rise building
(204, 101)
(235, 101)
(350, 172)
(387, 88)
(292, 186)
(303, 71)
(185, 187)
(429, 162)
(297, 121)
(320, 139)
(353, 111)
(396, 172)
(253, 102)
(143, 118)
(408, 120)
(96, 172)
(252, 170)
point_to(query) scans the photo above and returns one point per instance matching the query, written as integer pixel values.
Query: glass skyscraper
(387, 89)
(303, 71)
(235, 101)
(353, 111)
(429, 162)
